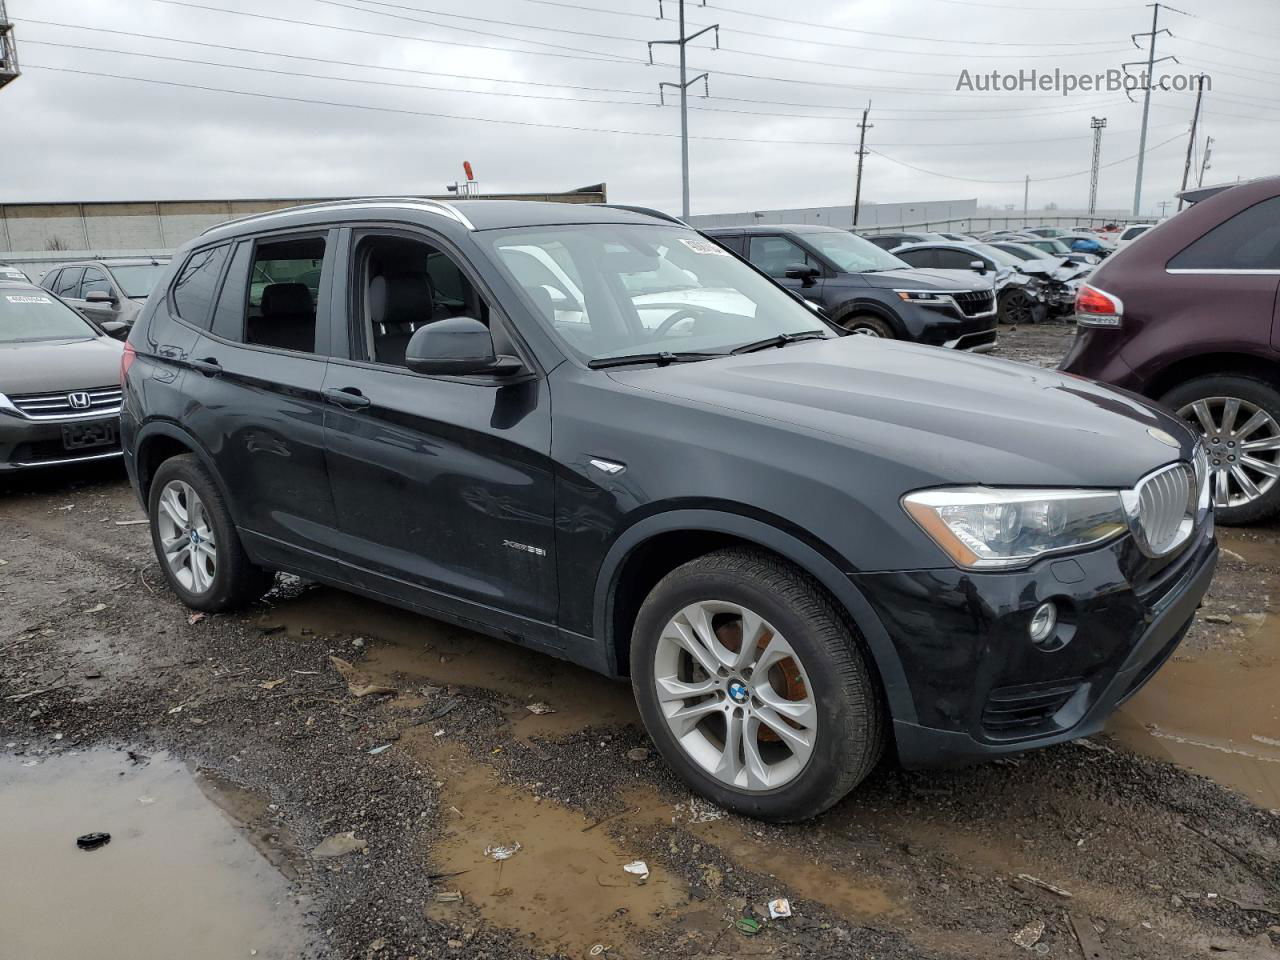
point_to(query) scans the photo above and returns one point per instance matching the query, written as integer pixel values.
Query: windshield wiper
(661, 359)
(780, 340)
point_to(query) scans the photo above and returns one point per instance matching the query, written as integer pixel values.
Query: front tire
(196, 542)
(865, 325)
(1239, 419)
(753, 687)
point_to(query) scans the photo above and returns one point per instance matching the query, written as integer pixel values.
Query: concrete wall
(31, 231)
(869, 214)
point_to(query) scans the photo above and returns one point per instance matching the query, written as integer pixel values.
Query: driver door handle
(349, 397)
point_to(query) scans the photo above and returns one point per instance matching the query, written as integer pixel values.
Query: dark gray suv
(106, 291)
(597, 433)
(869, 291)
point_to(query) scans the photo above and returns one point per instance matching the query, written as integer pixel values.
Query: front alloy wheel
(754, 686)
(735, 695)
(187, 539)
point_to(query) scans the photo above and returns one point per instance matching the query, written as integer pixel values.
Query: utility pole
(1204, 163)
(1026, 196)
(863, 127)
(1191, 140)
(683, 86)
(1156, 30)
(1164, 205)
(1097, 123)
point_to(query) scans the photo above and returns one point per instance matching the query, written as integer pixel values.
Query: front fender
(803, 555)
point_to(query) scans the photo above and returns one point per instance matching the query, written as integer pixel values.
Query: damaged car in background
(1026, 292)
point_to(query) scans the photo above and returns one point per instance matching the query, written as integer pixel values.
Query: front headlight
(985, 527)
(920, 296)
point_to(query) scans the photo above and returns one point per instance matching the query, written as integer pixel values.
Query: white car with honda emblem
(59, 382)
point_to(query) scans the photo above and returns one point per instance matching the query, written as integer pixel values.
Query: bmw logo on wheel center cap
(738, 692)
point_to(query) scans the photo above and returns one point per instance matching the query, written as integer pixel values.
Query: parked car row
(105, 290)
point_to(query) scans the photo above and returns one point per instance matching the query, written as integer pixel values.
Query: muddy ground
(227, 754)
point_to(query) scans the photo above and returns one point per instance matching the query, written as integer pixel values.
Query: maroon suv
(1187, 315)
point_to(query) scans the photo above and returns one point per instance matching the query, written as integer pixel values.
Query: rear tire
(866, 325)
(196, 543)
(802, 697)
(1246, 476)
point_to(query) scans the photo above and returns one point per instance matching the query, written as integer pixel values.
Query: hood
(905, 279)
(946, 415)
(51, 366)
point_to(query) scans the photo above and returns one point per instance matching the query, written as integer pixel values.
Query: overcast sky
(782, 136)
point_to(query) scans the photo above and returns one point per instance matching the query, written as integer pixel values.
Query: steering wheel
(687, 313)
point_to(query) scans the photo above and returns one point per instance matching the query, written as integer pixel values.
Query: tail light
(126, 361)
(1097, 308)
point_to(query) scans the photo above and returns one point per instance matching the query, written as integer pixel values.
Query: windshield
(1052, 246)
(853, 254)
(34, 315)
(136, 280)
(609, 290)
(1022, 250)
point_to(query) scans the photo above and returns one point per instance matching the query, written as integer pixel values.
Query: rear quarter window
(197, 283)
(1250, 240)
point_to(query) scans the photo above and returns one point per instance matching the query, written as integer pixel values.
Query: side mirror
(978, 266)
(805, 274)
(456, 346)
(99, 296)
(116, 329)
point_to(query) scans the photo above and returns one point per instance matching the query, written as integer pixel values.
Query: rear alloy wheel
(1239, 419)
(753, 686)
(863, 325)
(196, 542)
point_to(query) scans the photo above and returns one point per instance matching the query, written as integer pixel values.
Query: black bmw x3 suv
(594, 432)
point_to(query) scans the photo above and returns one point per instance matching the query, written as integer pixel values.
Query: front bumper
(981, 688)
(947, 328)
(26, 444)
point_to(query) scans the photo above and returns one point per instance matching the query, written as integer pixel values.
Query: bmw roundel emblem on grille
(78, 401)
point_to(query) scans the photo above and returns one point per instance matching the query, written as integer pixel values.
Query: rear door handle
(348, 397)
(208, 366)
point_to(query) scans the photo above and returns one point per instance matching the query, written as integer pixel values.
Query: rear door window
(95, 281)
(197, 282)
(1248, 241)
(284, 288)
(919, 258)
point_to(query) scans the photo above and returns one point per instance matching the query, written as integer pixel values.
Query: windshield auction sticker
(26, 299)
(705, 246)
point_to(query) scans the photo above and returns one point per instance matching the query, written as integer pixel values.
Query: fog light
(1043, 621)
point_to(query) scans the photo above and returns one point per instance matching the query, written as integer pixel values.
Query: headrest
(278, 298)
(401, 298)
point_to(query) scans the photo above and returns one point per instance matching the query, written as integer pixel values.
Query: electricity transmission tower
(863, 127)
(8, 50)
(683, 86)
(1097, 123)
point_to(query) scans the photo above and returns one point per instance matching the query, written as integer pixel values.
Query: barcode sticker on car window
(705, 246)
(22, 298)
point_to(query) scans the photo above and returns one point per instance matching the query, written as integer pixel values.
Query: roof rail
(647, 211)
(435, 206)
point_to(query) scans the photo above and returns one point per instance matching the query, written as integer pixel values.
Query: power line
(771, 37)
(1064, 176)
(949, 113)
(862, 88)
(903, 36)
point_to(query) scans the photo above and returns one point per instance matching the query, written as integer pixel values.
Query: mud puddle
(1216, 713)
(178, 879)
(430, 652)
(564, 888)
